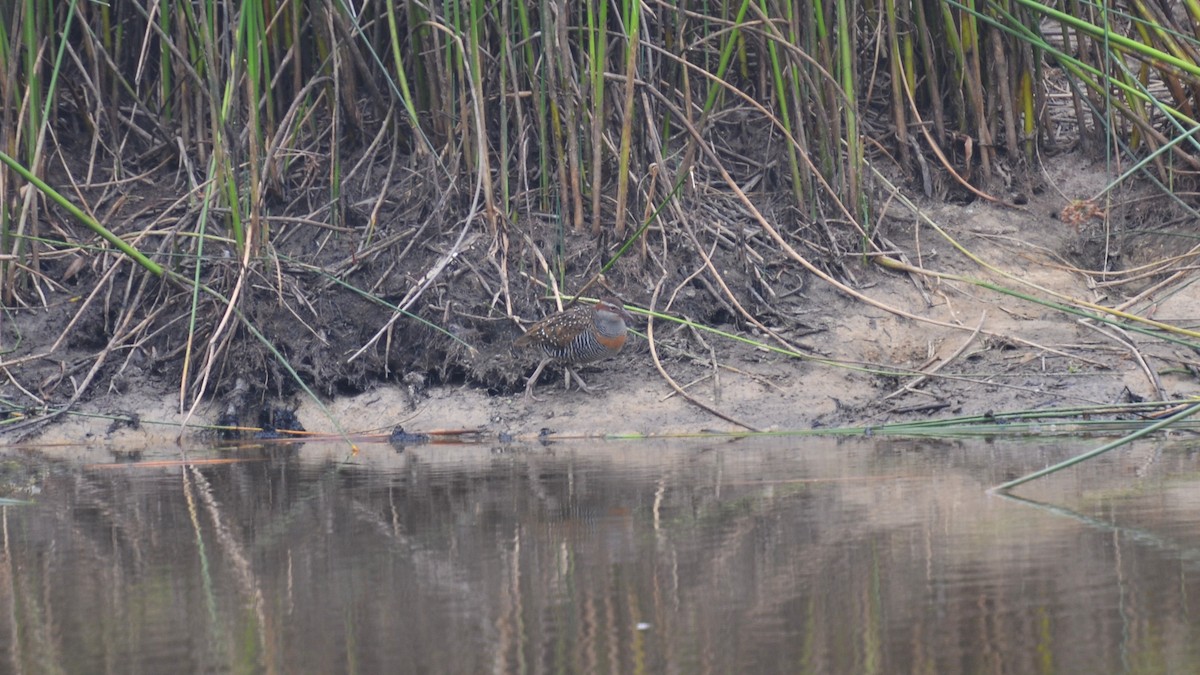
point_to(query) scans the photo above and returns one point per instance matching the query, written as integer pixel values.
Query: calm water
(789, 555)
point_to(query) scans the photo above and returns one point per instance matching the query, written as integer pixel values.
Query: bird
(576, 336)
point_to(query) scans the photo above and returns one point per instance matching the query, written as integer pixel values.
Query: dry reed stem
(670, 380)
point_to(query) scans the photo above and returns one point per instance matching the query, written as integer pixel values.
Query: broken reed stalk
(1165, 423)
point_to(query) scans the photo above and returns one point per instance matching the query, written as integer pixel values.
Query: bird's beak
(626, 315)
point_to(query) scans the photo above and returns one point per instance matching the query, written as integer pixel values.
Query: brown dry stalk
(667, 377)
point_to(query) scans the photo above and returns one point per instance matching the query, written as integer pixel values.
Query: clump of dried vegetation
(268, 196)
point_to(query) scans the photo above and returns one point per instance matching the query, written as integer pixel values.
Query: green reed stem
(632, 20)
(597, 16)
(784, 96)
(255, 40)
(847, 57)
(1124, 43)
(151, 266)
(33, 80)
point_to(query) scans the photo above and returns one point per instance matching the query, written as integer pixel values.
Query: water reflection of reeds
(841, 557)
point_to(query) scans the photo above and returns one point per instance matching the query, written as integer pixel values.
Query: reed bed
(272, 196)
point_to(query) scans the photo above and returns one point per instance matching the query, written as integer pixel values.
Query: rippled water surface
(781, 555)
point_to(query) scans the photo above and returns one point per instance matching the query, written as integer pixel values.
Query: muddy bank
(982, 350)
